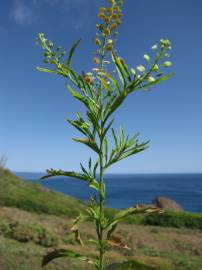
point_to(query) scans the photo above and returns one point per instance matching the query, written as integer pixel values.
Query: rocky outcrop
(167, 204)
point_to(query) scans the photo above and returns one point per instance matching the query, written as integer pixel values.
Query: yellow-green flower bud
(110, 11)
(97, 41)
(147, 57)
(133, 71)
(100, 27)
(107, 32)
(101, 15)
(116, 8)
(114, 25)
(115, 16)
(109, 41)
(151, 79)
(109, 47)
(96, 60)
(155, 68)
(120, 15)
(102, 9)
(141, 68)
(165, 42)
(167, 64)
(154, 47)
(107, 20)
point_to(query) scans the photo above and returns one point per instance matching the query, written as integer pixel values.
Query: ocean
(125, 190)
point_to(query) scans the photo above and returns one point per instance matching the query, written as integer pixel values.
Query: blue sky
(33, 106)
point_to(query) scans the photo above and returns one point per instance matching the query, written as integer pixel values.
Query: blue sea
(125, 190)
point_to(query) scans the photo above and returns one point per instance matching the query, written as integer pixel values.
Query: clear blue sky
(33, 105)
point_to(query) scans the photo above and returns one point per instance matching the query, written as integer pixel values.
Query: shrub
(23, 232)
(177, 220)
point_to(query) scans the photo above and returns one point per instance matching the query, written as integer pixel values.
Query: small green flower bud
(151, 79)
(114, 25)
(155, 68)
(53, 61)
(147, 57)
(115, 16)
(101, 15)
(107, 32)
(141, 68)
(63, 53)
(98, 42)
(154, 47)
(133, 71)
(165, 43)
(107, 20)
(167, 64)
(102, 9)
(100, 27)
(109, 41)
(109, 47)
(110, 11)
(116, 8)
(46, 54)
(50, 44)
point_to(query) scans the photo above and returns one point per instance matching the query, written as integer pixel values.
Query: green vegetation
(101, 92)
(25, 237)
(176, 220)
(35, 198)
(168, 219)
(25, 232)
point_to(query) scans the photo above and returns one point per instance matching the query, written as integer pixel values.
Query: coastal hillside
(35, 220)
(25, 195)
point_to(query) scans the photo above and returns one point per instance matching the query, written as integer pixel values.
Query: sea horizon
(125, 190)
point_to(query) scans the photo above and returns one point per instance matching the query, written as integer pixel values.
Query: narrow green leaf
(104, 83)
(73, 48)
(94, 184)
(47, 70)
(53, 173)
(107, 128)
(111, 229)
(115, 138)
(90, 143)
(113, 80)
(77, 126)
(125, 68)
(119, 69)
(83, 169)
(116, 104)
(106, 149)
(95, 168)
(158, 80)
(64, 253)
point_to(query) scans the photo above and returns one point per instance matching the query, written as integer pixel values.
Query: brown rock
(167, 204)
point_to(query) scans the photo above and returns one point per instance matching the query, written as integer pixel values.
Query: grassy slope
(35, 198)
(160, 248)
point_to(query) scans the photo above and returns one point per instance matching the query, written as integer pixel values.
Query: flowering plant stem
(102, 92)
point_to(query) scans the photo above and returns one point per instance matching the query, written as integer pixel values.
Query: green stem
(101, 183)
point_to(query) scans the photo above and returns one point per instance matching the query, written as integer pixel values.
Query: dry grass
(163, 248)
